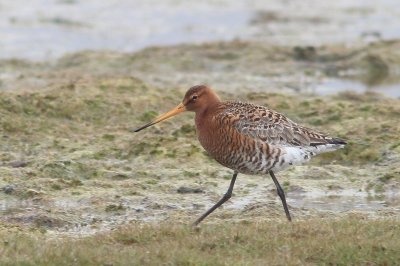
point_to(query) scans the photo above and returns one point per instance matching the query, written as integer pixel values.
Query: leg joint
(281, 193)
(227, 195)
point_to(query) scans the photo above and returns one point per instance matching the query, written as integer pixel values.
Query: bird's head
(197, 98)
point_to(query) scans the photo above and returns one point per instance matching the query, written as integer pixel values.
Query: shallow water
(47, 29)
(53, 28)
(333, 86)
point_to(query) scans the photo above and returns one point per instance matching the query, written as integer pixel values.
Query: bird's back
(255, 139)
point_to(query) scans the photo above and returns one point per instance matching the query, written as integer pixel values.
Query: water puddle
(333, 86)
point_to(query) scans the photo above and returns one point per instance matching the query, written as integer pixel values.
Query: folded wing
(274, 128)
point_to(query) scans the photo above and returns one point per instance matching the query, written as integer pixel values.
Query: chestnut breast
(228, 146)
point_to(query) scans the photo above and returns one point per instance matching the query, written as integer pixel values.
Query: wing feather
(271, 127)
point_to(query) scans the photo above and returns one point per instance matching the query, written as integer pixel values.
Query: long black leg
(281, 194)
(227, 196)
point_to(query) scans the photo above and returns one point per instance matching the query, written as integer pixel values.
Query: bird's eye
(194, 97)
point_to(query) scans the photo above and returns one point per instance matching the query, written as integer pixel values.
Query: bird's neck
(204, 118)
(208, 128)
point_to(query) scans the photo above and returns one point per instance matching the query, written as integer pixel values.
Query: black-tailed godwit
(248, 138)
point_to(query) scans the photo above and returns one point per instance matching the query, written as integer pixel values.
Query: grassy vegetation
(76, 138)
(347, 241)
(67, 151)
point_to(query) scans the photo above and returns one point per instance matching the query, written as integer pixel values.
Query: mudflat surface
(70, 164)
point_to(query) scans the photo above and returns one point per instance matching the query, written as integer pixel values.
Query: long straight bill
(179, 109)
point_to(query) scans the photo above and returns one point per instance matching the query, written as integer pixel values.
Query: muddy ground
(70, 163)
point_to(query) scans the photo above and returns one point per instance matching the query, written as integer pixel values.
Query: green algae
(114, 208)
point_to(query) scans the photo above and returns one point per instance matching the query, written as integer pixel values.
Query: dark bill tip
(142, 127)
(179, 109)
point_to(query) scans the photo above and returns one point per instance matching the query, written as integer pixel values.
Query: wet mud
(70, 163)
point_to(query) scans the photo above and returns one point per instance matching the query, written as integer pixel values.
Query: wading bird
(248, 138)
